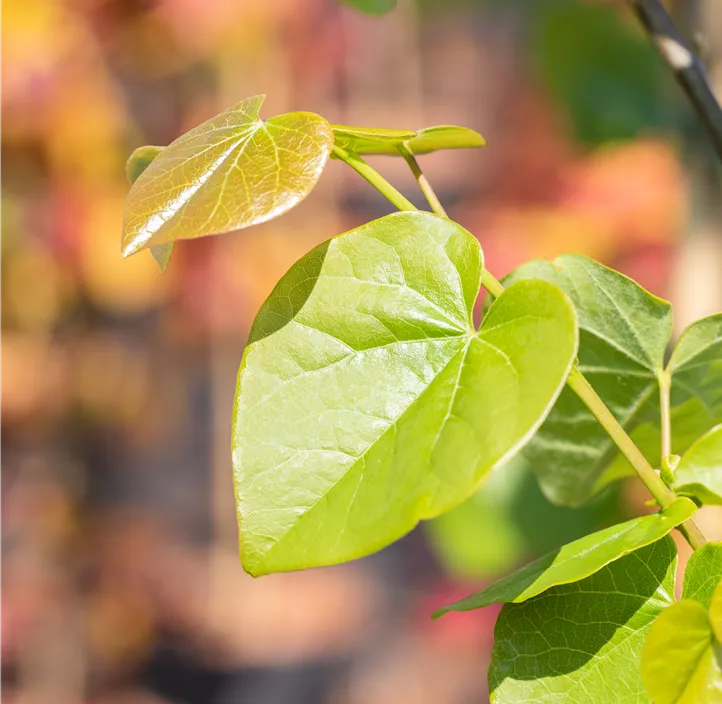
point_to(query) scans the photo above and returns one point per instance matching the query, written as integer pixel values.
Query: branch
(685, 65)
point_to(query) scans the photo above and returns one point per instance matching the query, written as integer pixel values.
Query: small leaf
(703, 574)
(379, 140)
(679, 664)
(581, 643)
(367, 402)
(372, 7)
(140, 160)
(577, 560)
(624, 333)
(137, 163)
(699, 473)
(232, 171)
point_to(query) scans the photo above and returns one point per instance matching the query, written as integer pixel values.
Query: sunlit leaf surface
(232, 171)
(366, 400)
(137, 163)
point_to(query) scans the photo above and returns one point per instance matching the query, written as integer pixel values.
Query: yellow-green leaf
(137, 163)
(232, 171)
(380, 140)
(578, 559)
(367, 401)
(699, 473)
(679, 659)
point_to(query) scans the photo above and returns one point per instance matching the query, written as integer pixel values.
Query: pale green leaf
(579, 559)
(137, 163)
(379, 140)
(366, 401)
(232, 171)
(703, 574)
(624, 332)
(699, 473)
(581, 643)
(679, 659)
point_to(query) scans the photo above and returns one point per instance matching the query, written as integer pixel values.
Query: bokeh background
(121, 581)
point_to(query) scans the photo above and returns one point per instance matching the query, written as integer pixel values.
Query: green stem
(423, 182)
(665, 383)
(662, 494)
(374, 178)
(576, 380)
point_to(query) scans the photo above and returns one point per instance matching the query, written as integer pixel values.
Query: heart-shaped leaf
(379, 140)
(699, 472)
(137, 163)
(366, 400)
(581, 643)
(579, 559)
(624, 333)
(703, 574)
(232, 171)
(679, 663)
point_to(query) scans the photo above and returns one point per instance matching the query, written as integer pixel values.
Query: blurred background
(121, 580)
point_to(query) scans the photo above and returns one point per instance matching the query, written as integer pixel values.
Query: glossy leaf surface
(378, 140)
(581, 643)
(232, 171)
(679, 662)
(624, 332)
(366, 401)
(137, 163)
(699, 473)
(579, 559)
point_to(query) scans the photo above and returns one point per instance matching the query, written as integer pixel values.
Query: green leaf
(379, 140)
(703, 574)
(679, 660)
(577, 560)
(366, 401)
(624, 333)
(372, 7)
(232, 171)
(137, 163)
(581, 643)
(699, 473)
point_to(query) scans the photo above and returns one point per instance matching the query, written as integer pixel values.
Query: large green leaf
(699, 473)
(579, 559)
(366, 400)
(232, 171)
(137, 163)
(380, 140)
(703, 574)
(679, 659)
(581, 643)
(624, 333)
